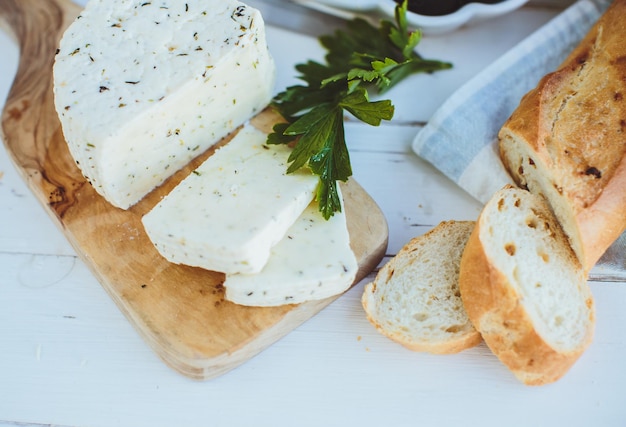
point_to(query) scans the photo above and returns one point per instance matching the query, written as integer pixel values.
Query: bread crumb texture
(415, 298)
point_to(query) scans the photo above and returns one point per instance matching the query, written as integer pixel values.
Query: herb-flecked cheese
(313, 261)
(142, 87)
(228, 214)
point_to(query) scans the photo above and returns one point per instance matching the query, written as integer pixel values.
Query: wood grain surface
(180, 311)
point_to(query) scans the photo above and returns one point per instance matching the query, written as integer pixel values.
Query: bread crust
(498, 313)
(574, 124)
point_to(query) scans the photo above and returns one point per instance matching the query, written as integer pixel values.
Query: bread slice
(415, 298)
(567, 139)
(524, 289)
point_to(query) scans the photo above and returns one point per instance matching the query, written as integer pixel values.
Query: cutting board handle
(29, 122)
(36, 26)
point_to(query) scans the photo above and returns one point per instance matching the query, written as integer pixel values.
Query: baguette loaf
(567, 141)
(524, 289)
(415, 300)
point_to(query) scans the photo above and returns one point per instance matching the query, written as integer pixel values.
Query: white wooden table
(68, 356)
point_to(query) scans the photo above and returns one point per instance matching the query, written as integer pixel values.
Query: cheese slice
(232, 209)
(313, 261)
(141, 87)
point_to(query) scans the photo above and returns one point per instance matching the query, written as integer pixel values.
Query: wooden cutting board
(180, 311)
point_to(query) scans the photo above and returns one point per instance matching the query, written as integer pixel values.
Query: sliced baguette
(566, 139)
(524, 289)
(415, 300)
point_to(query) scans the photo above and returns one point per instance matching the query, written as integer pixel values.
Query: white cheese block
(313, 261)
(141, 87)
(227, 215)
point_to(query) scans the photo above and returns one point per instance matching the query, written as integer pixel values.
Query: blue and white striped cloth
(461, 138)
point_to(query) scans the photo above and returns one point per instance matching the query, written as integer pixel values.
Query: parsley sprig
(360, 58)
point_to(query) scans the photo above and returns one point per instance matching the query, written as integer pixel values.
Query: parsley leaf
(357, 59)
(372, 113)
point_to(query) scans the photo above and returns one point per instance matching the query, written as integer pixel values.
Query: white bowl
(470, 13)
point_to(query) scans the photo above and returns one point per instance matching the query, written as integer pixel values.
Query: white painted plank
(74, 360)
